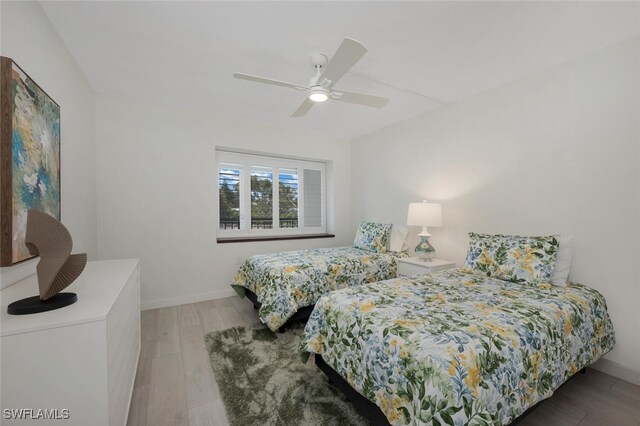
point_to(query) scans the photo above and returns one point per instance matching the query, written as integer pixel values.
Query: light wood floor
(175, 385)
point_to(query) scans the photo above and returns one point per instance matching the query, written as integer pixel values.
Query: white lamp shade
(424, 214)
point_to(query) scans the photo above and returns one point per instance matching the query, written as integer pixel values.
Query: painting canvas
(29, 156)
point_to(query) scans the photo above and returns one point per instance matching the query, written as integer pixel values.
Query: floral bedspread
(285, 282)
(458, 348)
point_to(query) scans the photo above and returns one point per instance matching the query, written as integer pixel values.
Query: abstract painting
(29, 158)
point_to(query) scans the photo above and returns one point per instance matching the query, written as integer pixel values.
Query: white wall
(157, 194)
(557, 152)
(29, 39)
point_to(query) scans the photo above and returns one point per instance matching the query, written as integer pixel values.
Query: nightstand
(408, 266)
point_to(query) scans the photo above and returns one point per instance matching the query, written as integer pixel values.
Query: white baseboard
(617, 370)
(175, 301)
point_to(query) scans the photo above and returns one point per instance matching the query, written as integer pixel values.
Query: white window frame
(244, 161)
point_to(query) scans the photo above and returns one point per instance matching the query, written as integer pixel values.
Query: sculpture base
(33, 305)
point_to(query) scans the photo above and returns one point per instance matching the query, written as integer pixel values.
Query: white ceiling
(182, 55)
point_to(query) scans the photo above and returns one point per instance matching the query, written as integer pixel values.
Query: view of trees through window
(261, 198)
(288, 198)
(229, 190)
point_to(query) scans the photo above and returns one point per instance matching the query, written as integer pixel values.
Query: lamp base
(33, 305)
(424, 249)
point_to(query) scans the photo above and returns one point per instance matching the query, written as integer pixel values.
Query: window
(260, 195)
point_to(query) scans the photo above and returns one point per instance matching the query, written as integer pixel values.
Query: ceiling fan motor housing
(318, 60)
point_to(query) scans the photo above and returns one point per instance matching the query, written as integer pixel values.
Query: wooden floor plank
(192, 336)
(209, 316)
(601, 405)
(625, 392)
(168, 337)
(596, 418)
(552, 413)
(139, 404)
(210, 414)
(595, 380)
(188, 315)
(167, 393)
(148, 324)
(147, 353)
(229, 314)
(200, 384)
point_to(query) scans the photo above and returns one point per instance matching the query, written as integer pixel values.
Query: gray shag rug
(263, 381)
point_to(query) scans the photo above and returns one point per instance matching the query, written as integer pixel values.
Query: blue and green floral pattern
(285, 282)
(458, 348)
(527, 260)
(373, 236)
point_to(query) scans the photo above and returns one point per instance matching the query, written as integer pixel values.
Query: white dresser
(81, 358)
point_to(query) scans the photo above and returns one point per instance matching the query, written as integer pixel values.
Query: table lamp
(424, 214)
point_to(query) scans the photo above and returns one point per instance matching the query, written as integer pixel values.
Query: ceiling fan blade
(258, 79)
(348, 54)
(303, 109)
(359, 98)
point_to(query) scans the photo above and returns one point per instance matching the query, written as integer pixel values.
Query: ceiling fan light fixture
(318, 95)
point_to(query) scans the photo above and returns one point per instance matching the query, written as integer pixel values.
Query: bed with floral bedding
(457, 347)
(283, 283)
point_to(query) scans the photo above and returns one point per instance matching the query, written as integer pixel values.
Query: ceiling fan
(328, 72)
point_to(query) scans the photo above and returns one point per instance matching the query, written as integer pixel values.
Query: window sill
(272, 238)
